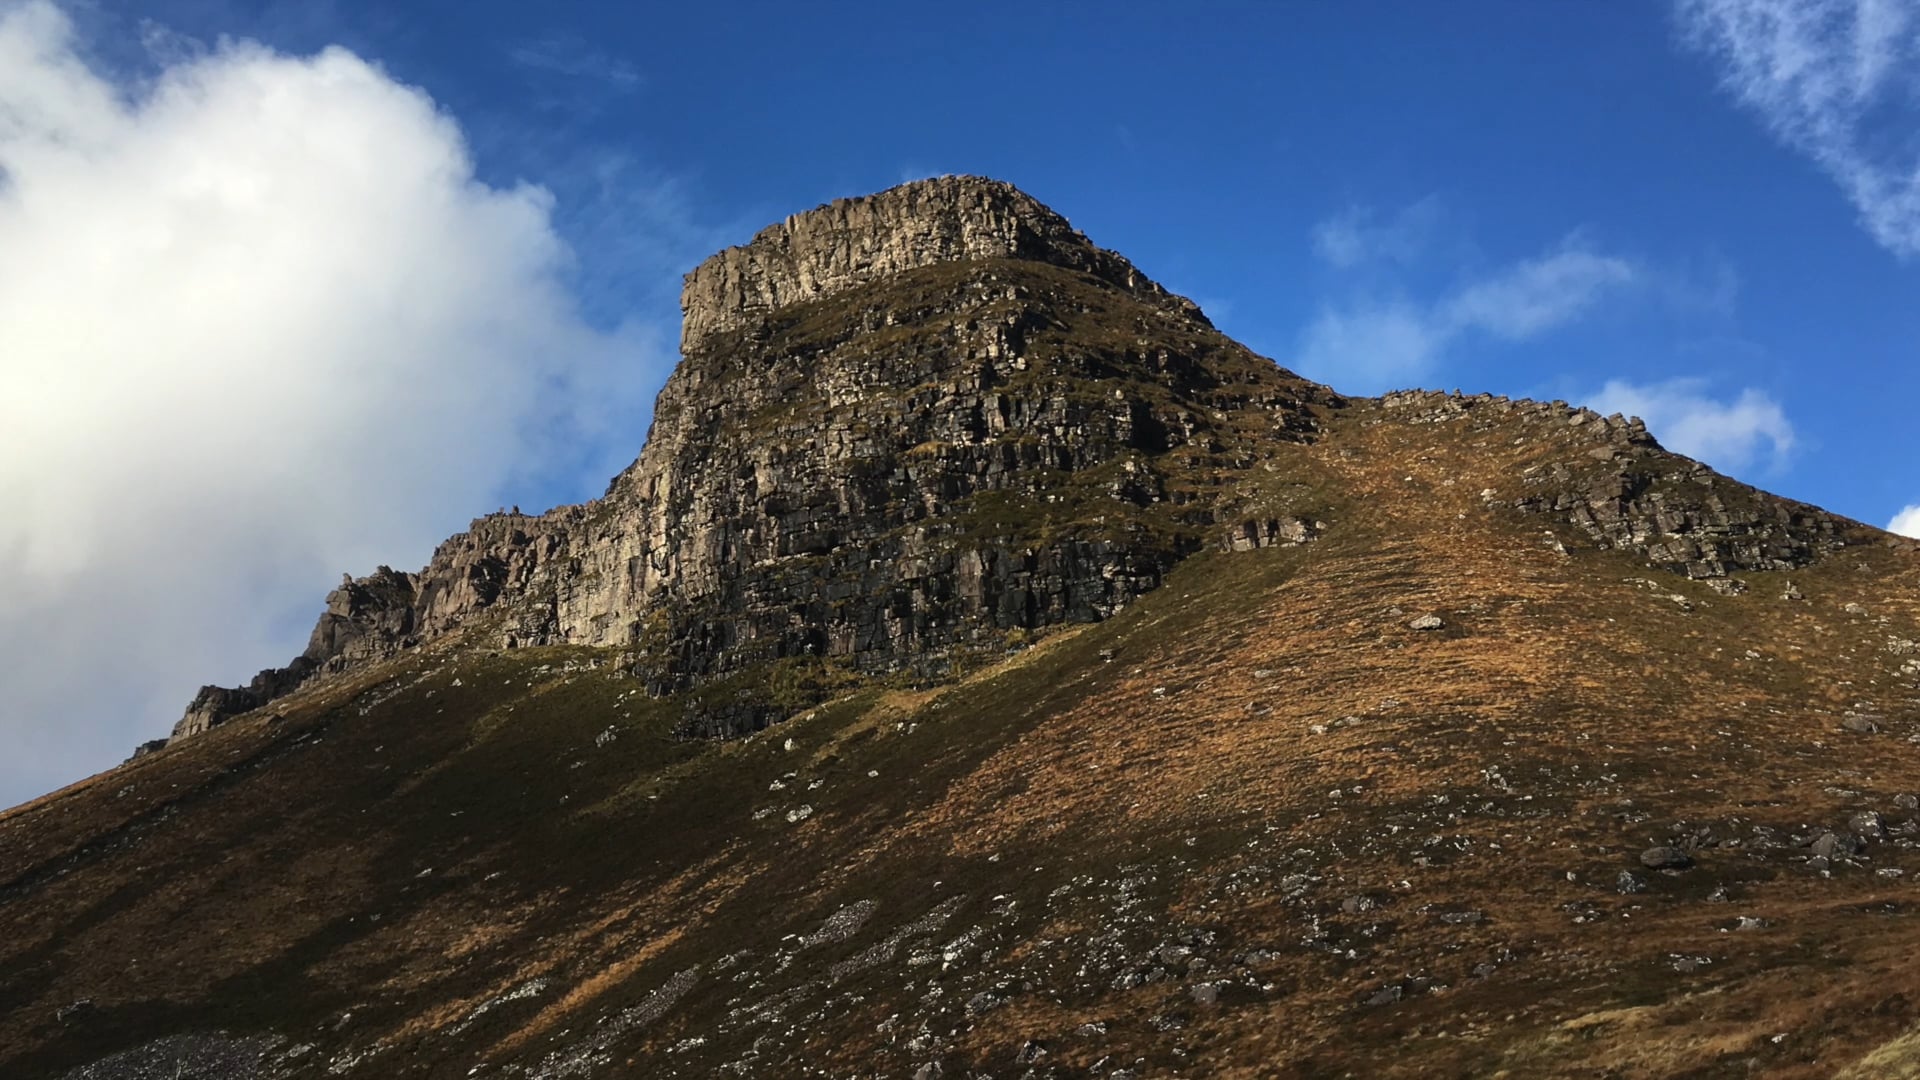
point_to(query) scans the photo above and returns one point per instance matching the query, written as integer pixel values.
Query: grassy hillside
(1254, 825)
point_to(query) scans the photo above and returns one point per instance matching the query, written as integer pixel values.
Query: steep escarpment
(903, 427)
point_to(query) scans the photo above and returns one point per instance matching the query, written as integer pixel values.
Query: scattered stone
(799, 813)
(1665, 858)
(1837, 845)
(1427, 622)
(932, 1070)
(1207, 993)
(1386, 995)
(1906, 801)
(1859, 724)
(1359, 905)
(1033, 1050)
(1629, 883)
(1463, 918)
(1868, 823)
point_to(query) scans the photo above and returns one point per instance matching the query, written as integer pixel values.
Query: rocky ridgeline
(855, 242)
(1623, 491)
(903, 427)
(908, 426)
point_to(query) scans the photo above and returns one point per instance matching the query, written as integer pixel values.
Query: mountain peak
(1164, 698)
(848, 243)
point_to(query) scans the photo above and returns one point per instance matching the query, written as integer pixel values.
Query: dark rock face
(903, 426)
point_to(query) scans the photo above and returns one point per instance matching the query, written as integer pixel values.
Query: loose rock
(1665, 858)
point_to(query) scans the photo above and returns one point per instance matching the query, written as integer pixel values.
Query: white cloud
(1729, 434)
(1835, 80)
(259, 324)
(1372, 344)
(1906, 522)
(1537, 295)
(1356, 236)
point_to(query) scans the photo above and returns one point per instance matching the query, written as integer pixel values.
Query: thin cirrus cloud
(1374, 341)
(1360, 235)
(1835, 80)
(259, 324)
(567, 56)
(1729, 433)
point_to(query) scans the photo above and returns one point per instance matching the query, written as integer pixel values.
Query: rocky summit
(989, 669)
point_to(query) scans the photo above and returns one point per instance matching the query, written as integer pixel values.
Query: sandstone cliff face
(903, 426)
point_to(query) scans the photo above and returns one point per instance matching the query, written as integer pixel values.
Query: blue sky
(1706, 211)
(1211, 144)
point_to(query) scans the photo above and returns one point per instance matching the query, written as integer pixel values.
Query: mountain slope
(1103, 741)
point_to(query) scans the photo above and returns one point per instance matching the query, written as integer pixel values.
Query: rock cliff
(903, 427)
(907, 428)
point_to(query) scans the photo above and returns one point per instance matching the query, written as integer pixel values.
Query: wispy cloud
(1727, 433)
(1361, 235)
(1536, 295)
(1835, 80)
(1906, 522)
(1372, 344)
(1374, 341)
(567, 55)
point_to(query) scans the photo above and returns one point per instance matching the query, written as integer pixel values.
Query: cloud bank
(1729, 434)
(1835, 80)
(259, 325)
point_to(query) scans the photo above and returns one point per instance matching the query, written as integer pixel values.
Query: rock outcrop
(903, 426)
(908, 427)
(854, 242)
(1619, 488)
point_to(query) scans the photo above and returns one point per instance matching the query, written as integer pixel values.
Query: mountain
(988, 668)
